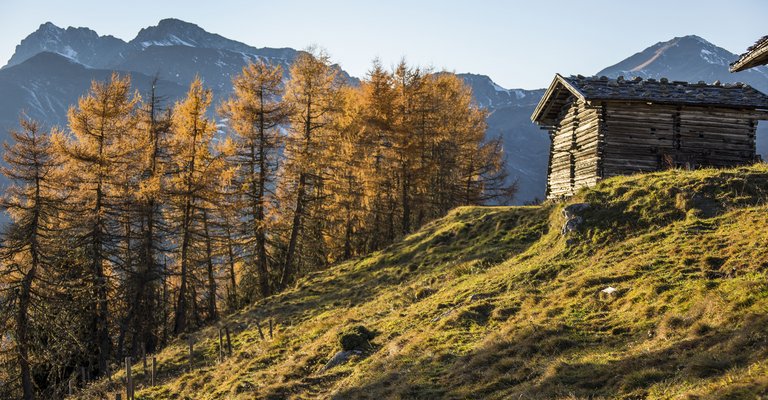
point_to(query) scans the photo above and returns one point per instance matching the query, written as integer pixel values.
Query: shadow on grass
(488, 234)
(530, 365)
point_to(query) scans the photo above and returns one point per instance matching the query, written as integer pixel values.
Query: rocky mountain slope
(44, 87)
(176, 51)
(688, 58)
(657, 290)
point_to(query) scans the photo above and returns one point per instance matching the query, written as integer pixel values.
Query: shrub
(356, 338)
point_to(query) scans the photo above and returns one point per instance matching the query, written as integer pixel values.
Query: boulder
(572, 218)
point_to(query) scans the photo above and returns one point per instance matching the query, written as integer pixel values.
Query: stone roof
(756, 55)
(669, 92)
(662, 91)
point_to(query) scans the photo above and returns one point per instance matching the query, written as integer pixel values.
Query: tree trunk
(234, 303)
(180, 324)
(22, 332)
(295, 229)
(211, 276)
(261, 235)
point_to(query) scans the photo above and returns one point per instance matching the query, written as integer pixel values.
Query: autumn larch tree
(194, 172)
(26, 247)
(95, 151)
(312, 93)
(254, 113)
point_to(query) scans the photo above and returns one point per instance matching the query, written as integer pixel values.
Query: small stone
(339, 358)
(477, 296)
(609, 290)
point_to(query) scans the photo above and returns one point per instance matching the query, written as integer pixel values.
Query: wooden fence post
(82, 376)
(128, 379)
(154, 371)
(229, 342)
(258, 326)
(70, 385)
(221, 346)
(270, 327)
(144, 358)
(191, 353)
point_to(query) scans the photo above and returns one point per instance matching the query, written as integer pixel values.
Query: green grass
(491, 303)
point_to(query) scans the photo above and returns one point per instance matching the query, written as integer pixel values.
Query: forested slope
(500, 302)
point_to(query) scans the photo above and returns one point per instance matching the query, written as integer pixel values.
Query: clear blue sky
(516, 43)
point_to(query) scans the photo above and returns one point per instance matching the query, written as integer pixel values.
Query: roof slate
(663, 91)
(756, 55)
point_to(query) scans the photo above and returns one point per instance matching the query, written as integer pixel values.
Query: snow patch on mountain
(713, 58)
(171, 40)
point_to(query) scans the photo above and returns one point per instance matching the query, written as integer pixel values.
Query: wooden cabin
(756, 55)
(601, 127)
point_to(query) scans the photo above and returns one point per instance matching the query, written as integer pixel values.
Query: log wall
(642, 138)
(592, 142)
(574, 151)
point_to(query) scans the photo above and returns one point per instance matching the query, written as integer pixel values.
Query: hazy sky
(516, 43)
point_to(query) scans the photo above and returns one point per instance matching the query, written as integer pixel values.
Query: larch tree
(146, 192)
(348, 153)
(27, 242)
(194, 172)
(254, 113)
(312, 93)
(95, 152)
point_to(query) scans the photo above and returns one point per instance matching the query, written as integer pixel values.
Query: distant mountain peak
(175, 32)
(685, 58)
(170, 32)
(82, 45)
(175, 22)
(49, 27)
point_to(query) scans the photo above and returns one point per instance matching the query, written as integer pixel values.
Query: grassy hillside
(497, 303)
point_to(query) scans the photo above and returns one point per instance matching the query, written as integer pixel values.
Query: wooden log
(270, 327)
